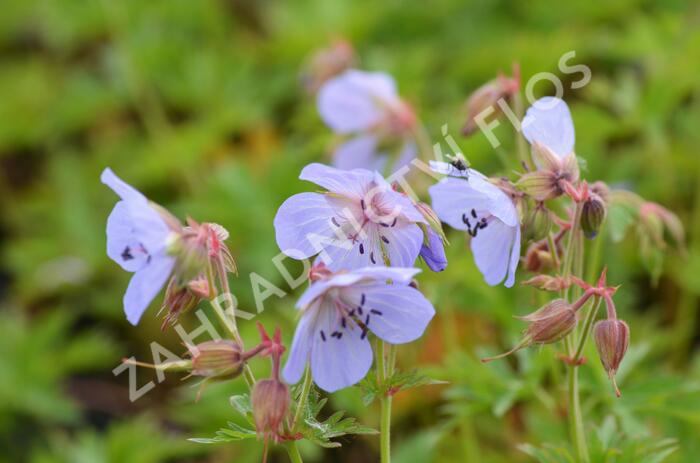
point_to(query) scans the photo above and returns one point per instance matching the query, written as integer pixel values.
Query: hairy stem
(384, 370)
(587, 327)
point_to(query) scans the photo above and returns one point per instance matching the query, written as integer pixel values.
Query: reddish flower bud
(483, 103)
(552, 173)
(270, 400)
(548, 282)
(549, 324)
(180, 299)
(612, 337)
(217, 359)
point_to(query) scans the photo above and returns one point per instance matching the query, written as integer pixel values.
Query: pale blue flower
(340, 311)
(360, 221)
(489, 216)
(137, 238)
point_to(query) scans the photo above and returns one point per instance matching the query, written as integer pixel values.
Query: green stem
(587, 327)
(384, 370)
(293, 451)
(576, 417)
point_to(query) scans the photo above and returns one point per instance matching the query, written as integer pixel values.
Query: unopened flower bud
(549, 324)
(593, 215)
(270, 400)
(612, 337)
(538, 257)
(548, 283)
(552, 173)
(180, 299)
(220, 359)
(601, 189)
(538, 222)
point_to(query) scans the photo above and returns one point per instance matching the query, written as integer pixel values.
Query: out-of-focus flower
(339, 311)
(612, 338)
(367, 107)
(360, 221)
(327, 63)
(548, 282)
(486, 98)
(138, 237)
(484, 211)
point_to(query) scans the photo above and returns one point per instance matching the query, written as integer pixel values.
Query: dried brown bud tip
(612, 337)
(270, 400)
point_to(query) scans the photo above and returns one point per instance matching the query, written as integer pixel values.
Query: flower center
(349, 315)
(476, 221)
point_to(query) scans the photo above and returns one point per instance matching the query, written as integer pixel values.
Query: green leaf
(233, 433)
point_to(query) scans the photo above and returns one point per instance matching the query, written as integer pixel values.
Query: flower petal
(338, 362)
(303, 225)
(148, 227)
(434, 252)
(394, 312)
(492, 249)
(514, 259)
(349, 183)
(403, 243)
(145, 285)
(355, 100)
(301, 348)
(452, 196)
(123, 246)
(548, 121)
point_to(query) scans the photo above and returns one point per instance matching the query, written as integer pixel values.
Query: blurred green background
(199, 105)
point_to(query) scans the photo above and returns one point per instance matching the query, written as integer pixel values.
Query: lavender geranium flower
(137, 239)
(360, 221)
(338, 313)
(548, 122)
(367, 107)
(489, 216)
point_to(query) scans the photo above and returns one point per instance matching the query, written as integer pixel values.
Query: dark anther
(335, 222)
(362, 203)
(362, 249)
(384, 224)
(394, 222)
(473, 213)
(323, 335)
(126, 255)
(371, 257)
(336, 334)
(362, 300)
(375, 311)
(367, 320)
(364, 333)
(342, 322)
(385, 239)
(359, 310)
(350, 314)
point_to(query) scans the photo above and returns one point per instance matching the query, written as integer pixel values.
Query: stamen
(335, 222)
(342, 322)
(362, 203)
(473, 213)
(376, 312)
(371, 257)
(362, 249)
(126, 255)
(367, 320)
(364, 333)
(359, 310)
(323, 336)
(362, 300)
(393, 224)
(385, 239)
